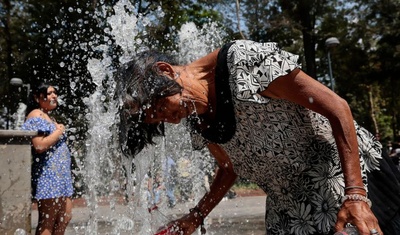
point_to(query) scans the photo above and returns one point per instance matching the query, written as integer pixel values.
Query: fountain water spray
(104, 161)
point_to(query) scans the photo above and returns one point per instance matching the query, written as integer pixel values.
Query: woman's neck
(199, 79)
(44, 110)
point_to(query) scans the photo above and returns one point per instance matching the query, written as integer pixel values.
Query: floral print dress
(286, 149)
(51, 170)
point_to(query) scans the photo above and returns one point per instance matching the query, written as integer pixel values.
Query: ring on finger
(374, 232)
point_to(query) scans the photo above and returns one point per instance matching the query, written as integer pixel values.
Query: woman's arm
(301, 89)
(42, 143)
(224, 178)
(223, 181)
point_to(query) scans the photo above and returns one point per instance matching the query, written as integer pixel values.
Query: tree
(385, 16)
(371, 35)
(363, 64)
(291, 23)
(55, 46)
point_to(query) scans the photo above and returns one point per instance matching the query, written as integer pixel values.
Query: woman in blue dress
(51, 163)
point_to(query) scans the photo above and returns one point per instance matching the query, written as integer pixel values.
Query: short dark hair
(140, 85)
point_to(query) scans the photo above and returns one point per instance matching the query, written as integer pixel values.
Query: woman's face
(191, 100)
(48, 101)
(168, 109)
(174, 108)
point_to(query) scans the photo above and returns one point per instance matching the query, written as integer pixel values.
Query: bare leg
(64, 215)
(47, 213)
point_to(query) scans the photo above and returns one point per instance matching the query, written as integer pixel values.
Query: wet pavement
(241, 215)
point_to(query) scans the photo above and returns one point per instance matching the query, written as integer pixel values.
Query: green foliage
(367, 56)
(52, 41)
(244, 184)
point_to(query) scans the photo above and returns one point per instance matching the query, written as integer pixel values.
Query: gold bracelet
(356, 197)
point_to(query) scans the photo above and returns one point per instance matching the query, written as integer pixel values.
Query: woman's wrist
(199, 216)
(356, 197)
(355, 189)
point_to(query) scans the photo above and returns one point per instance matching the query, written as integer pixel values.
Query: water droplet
(125, 223)
(20, 231)
(114, 185)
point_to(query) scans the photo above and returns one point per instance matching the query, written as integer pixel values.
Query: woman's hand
(223, 180)
(42, 143)
(60, 127)
(184, 226)
(303, 90)
(358, 214)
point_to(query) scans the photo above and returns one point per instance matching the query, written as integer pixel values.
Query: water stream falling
(104, 164)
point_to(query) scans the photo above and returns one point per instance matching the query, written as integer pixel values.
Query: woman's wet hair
(36, 92)
(140, 85)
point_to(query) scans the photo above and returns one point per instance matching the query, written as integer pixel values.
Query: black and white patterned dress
(286, 149)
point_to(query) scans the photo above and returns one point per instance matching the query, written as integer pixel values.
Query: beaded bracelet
(198, 213)
(356, 197)
(354, 187)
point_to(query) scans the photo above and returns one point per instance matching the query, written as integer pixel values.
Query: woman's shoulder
(35, 113)
(36, 119)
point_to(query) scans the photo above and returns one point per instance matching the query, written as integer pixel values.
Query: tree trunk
(372, 113)
(238, 18)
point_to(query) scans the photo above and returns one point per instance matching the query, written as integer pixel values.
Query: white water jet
(196, 42)
(19, 116)
(104, 161)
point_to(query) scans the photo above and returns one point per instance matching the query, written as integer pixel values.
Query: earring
(176, 76)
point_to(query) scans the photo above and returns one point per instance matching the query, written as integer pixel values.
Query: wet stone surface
(241, 215)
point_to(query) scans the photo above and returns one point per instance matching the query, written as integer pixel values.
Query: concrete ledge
(17, 133)
(15, 181)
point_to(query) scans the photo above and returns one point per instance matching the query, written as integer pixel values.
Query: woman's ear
(165, 69)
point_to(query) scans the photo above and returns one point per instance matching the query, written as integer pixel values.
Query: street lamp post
(8, 118)
(330, 43)
(19, 82)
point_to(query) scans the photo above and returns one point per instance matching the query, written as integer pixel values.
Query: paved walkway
(241, 215)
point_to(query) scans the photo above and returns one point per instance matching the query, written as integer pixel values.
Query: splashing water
(194, 43)
(102, 147)
(105, 165)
